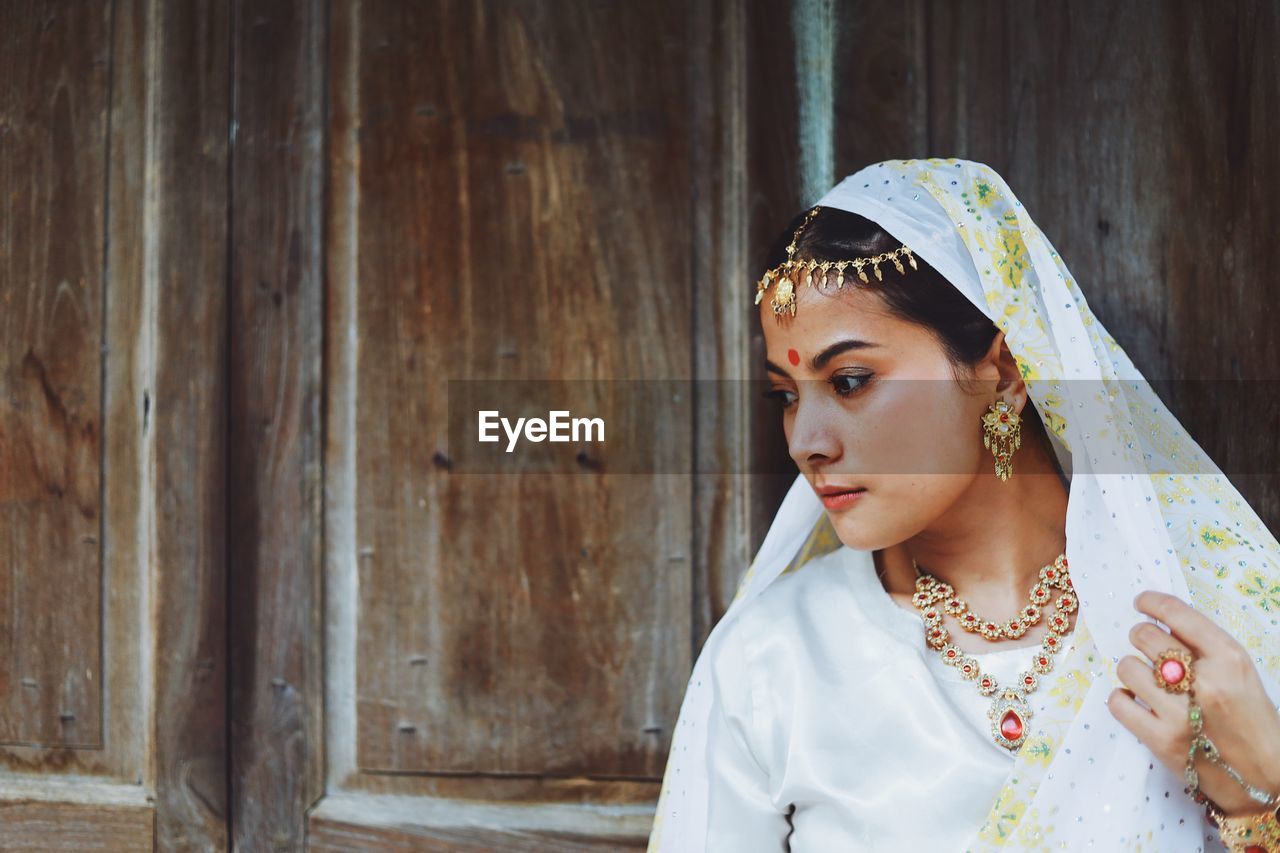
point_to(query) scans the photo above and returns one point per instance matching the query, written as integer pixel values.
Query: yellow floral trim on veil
(1229, 560)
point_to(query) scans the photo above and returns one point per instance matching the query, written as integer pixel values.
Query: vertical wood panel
(53, 131)
(166, 436)
(522, 212)
(274, 464)
(881, 100)
(724, 499)
(152, 179)
(1219, 234)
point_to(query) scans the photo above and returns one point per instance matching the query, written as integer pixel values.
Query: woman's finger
(1150, 639)
(1139, 676)
(1133, 716)
(1202, 635)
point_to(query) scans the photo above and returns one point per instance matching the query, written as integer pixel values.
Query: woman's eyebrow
(826, 355)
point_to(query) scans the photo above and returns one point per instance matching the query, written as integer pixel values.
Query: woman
(1063, 636)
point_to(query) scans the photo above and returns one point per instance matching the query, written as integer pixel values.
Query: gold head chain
(784, 296)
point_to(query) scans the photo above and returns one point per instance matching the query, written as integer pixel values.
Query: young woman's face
(839, 370)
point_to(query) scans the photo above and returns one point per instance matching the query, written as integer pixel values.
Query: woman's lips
(842, 500)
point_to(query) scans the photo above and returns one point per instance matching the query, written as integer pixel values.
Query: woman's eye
(780, 395)
(846, 384)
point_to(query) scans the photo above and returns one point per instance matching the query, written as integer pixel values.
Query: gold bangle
(1251, 832)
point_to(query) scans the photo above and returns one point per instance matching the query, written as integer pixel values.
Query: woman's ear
(1010, 383)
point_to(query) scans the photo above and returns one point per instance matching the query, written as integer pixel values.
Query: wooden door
(245, 602)
(509, 199)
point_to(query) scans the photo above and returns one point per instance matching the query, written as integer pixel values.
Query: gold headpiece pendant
(784, 295)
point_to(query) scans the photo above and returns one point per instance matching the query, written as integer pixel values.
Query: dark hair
(922, 296)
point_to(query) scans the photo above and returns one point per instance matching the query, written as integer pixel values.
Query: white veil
(1147, 509)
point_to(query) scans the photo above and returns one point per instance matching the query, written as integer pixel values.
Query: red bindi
(793, 356)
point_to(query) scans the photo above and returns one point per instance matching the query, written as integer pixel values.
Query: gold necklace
(975, 624)
(1009, 710)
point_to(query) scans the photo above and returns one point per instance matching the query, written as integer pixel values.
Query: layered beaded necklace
(1009, 710)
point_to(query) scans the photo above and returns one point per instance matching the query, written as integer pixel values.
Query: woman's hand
(1238, 715)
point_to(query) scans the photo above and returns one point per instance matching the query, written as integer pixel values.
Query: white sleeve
(741, 815)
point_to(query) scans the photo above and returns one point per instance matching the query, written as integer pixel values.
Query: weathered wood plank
(53, 134)
(372, 823)
(167, 396)
(274, 453)
(49, 813)
(43, 827)
(480, 653)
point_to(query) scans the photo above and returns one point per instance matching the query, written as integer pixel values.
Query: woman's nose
(814, 434)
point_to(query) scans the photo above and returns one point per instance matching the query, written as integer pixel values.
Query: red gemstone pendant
(1011, 725)
(1009, 714)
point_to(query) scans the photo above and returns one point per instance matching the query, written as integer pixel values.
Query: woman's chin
(858, 536)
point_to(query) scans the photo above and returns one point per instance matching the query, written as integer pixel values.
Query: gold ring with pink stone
(1173, 671)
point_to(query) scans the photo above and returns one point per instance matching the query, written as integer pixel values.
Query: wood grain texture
(42, 827)
(274, 454)
(365, 822)
(49, 812)
(114, 167)
(521, 211)
(335, 837)
(53, 161)
(168, 272)
(724, 496)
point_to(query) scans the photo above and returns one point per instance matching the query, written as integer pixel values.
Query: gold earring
(1002, 434)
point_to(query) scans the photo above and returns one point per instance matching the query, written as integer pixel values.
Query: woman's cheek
(904, 438)
(941, 440)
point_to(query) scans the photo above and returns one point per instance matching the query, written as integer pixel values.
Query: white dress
(834, 727)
